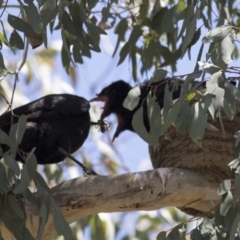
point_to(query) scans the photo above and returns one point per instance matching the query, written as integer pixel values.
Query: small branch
(88, 171)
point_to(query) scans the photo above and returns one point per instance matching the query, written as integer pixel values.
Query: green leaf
(158, 75)
(171, 117)
(199, 120)
(229, 219)
(4, 138)
(31, 164)
(190, 31)
(62, 226)
(234, 226)
(40, 182)
(11, 163)
(226, 50)
(24, 181)
(21, 126)
(43, 215)
(16, 40)
(2, 65)
(162, 236)
(155, 118)
(20, 25)
(15, 205)
(213, 88)
(132, 99)
(120, 29)
(224, 187)
(226, 203)
(217, 34)
(95, 28)
(138, 126)
(34, 18)
(3, 179)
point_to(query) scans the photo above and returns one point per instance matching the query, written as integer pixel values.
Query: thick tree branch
(148, 190)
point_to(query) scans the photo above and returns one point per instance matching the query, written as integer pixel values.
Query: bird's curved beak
(99, 99)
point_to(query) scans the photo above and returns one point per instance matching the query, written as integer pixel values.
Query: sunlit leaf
(217, 34)
(132, 99)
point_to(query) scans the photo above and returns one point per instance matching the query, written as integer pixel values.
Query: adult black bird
(54, 121)
(114, 94)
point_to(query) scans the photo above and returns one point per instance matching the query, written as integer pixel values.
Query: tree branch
(148, 190)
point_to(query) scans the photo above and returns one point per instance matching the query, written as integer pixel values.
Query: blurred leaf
(4, 138)
(16, 40)
(15, 205)
(24, 181)
(132, 99)
(226, 203)
(40, 182)
(2, 65)
(158, 75)
(61, 225)
(11, 163)
(43, 215)
(21, 25)
(162, 236)
(227, 48)
(31, 164)
(3, 179)
(34, 18)
(155, 119)
(21, 126)
(224, 187)
(217, 34)
(171, 117)
(138, 126)
(208, 67)
(199, 119)
(120, 29)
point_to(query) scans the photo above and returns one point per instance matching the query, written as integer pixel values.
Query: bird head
(113, 96)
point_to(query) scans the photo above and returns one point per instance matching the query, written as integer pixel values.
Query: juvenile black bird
(114, 94)
(54, 121)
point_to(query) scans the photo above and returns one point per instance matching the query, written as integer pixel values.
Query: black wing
(50, 107)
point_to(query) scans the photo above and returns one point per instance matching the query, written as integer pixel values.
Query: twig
(88, 171)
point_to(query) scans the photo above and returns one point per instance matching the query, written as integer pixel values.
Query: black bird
(54, 121)
(114, 94)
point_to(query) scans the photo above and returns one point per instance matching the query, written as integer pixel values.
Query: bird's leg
(87, 170)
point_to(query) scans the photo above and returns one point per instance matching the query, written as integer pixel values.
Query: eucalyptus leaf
(197, 128)
(132, 99)
(34, 18)
(15, 205)
(224, 187)
(171, 116)
(16, 40)
(138, 126)
(11, 163)
(62, 226)
(3, 179)
(24, 181)
(158, 75)
(21, 25)
(226, 203)
(217, 34)
(43, 215)
(162, 236)
(2, 65)
(21, 127)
